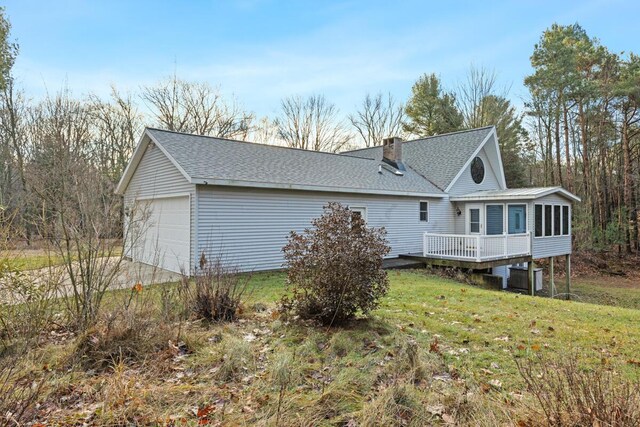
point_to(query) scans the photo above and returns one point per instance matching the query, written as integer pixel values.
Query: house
(443, 200)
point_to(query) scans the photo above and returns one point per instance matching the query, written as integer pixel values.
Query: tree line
(579, 128)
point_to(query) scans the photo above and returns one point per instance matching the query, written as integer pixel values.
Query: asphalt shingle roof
(209, 158)
(438, 158)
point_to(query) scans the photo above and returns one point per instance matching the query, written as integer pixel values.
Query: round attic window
(477, 170)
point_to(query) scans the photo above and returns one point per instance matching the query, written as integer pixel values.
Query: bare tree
(378, 118)
(265, 131)
(311, 124)
(116, 126)
(13, 150)
(471, 95)
(79, 212)
(195, 107)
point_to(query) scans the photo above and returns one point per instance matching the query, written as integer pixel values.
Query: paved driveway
(129, 275)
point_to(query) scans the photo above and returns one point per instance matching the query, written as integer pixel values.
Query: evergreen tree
(430, 110)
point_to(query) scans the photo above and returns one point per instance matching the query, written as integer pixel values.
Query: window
(495, 219)
(552, 220)
(538, 218)
(358, 213)
(517, 215)
(565, 220)
(548, 220)
(477, 170)
(556, 220)
(474, 220)
(424, 211)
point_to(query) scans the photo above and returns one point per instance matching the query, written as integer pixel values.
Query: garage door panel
(166, 239)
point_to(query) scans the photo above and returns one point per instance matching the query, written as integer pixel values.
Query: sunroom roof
(515, 194)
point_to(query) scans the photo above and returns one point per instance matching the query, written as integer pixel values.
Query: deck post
(532, 285)
(552, 284)
(478, 248)
(568, 275)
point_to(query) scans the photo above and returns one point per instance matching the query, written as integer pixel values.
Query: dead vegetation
(569, 394)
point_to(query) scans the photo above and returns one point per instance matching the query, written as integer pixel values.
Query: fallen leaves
(434, 346)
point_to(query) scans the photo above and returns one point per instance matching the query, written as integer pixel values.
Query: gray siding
(542, 247)
(465, 183)
(156, 176)
(249, 227)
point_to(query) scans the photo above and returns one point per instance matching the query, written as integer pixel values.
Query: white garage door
(166, 236)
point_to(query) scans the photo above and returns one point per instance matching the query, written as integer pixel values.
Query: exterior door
(517, 219)
(475, 219)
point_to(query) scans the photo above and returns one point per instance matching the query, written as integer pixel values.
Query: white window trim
(552, 220)
(428, 211)
(361, 209)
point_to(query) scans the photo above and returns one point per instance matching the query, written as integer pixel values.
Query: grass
(24, 260)
(434, 351)
(607, 290)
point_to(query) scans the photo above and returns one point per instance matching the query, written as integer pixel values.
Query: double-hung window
(424, 211)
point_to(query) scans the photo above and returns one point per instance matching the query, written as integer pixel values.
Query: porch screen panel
(565, 220)
(538, 218)
(548, 220)
(557, 231)
(495, 219)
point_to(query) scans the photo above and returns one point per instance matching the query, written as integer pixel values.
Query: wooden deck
(466, 264)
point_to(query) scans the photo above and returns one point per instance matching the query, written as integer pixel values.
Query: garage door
(166, 236)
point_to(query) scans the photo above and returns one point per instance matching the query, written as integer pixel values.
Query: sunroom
(506, 225)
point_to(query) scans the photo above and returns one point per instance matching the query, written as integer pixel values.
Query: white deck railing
(476, 247)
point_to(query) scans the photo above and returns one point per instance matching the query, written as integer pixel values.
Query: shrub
(128, 334)
(335, 268)
(216, 292)
(27, 303)
(568, 395)
(20, 389)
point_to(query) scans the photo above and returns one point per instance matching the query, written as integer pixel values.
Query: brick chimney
(392, 152)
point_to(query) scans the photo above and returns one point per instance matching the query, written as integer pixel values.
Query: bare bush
(569, 395)
(27, 303)
(19, 391)
(335, 268)
(216, 292)
(130, 333)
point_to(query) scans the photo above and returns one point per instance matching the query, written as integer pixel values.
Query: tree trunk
(558, 155)
(629, 199)
(567, 151)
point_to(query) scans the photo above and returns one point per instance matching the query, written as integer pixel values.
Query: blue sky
(262, 51)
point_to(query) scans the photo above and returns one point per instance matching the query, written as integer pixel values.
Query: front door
(475, 219)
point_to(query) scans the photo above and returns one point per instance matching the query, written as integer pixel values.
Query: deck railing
(476, 247)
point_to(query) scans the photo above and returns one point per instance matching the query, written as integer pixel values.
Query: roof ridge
(427, 137)
(256, 143)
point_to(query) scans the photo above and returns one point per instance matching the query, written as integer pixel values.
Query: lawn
(608, 290)
(435, 351)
